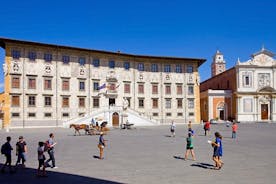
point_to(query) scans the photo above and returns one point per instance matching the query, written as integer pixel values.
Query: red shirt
(207, 125)
(234, 127)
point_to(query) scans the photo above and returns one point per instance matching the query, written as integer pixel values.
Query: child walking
(41, 160)
(173, 129)
(217, 145)
(189, 146)
(234, 130)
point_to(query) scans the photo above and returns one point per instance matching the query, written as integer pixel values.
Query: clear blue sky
(238, 28)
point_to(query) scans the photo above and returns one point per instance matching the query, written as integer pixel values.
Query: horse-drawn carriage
(90, 129)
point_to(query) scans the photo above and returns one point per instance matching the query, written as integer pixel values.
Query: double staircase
(105, 114)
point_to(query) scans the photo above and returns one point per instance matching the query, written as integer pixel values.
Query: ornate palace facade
(47, 84)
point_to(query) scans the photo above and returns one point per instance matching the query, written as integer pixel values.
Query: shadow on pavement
(28, 176)
(203, 165)
(179, 157)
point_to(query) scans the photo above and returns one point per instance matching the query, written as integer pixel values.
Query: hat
(20, 137)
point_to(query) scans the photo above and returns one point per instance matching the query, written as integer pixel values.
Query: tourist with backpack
(6, 150)
(21, 150)
(50, 143)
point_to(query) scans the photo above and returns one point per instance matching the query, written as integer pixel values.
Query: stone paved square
(149, 155)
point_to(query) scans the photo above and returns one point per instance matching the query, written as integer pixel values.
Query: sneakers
(54, 167)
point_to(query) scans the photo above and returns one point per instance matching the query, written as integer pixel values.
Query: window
(111, 64)
(154, 114)
(154, 89)
(15, 101)
(141, 103)
(65, 59)
(47, 101)
(190, 90)
(81, 102)
(15, 82)
(190, 69)
(126, 65)
(31, 101)
(96, 62)
(15, 115)
(15, 54)
(140, 66)
(47, 115)
(154, 103)
(154, 68)
(190, 103)
(168, 104)
(179, 89)
(246, 79)
(48, 57)
(228, 84)
(167, 89)
(31, 115)
(31, 83)
(82, 61)
(178, 69)
(96, 102)
(247, 105)
(47, 84)
(65, 101)
(191, 114)
(32, 56)
(179, 114)
(81, 114)
(127, 88)
(95, 86)
(81, 85)
(179, 103)
(141, 88)
(65, 114)
(65, 85)
(167, 68)
(168, 114)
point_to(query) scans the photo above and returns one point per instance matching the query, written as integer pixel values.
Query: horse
(80, 127)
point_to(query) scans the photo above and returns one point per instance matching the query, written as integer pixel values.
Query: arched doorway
(221, 111)
(115, 119)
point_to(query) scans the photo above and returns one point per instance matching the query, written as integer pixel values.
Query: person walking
(50, 143)
(217, 145)
(207, 127)
(6, 149)
(189, 147)
(101, 145)
(41, 160)
(21, 150)
(234, 130)
(173, 129)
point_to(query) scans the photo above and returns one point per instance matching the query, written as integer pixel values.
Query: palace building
(245, 92)
(49, 85)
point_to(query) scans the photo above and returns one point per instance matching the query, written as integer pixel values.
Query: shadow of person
(203, 165)
(28, 175)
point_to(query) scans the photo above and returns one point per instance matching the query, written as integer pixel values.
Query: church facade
(245, 92)
(47, 84)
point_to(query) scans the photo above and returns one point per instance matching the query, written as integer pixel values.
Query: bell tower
(218, 64)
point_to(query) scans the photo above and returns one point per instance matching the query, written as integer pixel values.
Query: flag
(102, 87)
